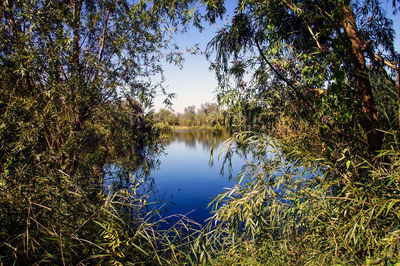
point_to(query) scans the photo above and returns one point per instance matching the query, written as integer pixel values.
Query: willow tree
(327, 195)
(321, 55)
(74, 78)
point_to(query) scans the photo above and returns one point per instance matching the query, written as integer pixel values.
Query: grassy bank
(164, 127)
(175, 128)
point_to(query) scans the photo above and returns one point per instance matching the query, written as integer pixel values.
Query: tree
(207, 114)
(166, 116)
(328, 69)
(188, 117)
(308, 49)
(209, 108)
(74, 78)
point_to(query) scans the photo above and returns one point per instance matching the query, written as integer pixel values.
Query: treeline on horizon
(209, 115)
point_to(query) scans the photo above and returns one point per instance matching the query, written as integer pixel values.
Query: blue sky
(195, 84)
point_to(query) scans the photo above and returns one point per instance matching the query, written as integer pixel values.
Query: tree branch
(290, 84)
(386, 62)
(301, 96)
(103, 36)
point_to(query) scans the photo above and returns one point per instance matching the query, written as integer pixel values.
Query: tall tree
(320, 53)
(74, 78)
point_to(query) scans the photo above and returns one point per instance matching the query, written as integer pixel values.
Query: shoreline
(184, 128)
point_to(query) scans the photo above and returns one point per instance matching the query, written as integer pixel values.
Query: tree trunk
(371, 124)
(76, 13)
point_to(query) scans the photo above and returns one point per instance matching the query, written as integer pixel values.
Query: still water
(189, 176)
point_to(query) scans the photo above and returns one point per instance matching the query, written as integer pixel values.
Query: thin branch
(398, 90)
(103, 36)
(314, 36)
(289, 83)
(301, 96)
(386, 62)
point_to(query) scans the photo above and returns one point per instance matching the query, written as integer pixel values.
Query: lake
(189, 176)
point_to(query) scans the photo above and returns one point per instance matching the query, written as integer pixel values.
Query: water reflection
(194, 139)
(183, 176)
(133, 163)
(180, 176)
(186, 182)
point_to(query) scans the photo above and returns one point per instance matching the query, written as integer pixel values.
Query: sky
(195, 84)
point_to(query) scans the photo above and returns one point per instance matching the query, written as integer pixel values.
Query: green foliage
(208, 115)
(322, 188)
(74, 79)
(308, 210)
(300, 62)
(75, 76)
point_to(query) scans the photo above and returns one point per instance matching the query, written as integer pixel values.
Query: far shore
(190, 127)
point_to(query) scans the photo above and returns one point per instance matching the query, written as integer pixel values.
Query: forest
(311, 89)
(209, 115)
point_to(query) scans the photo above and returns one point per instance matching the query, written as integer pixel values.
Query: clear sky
(195, 84)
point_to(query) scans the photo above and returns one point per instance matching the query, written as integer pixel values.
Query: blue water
(186, 182)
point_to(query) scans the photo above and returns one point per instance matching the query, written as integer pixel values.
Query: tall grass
(309, 210)
(294, 208)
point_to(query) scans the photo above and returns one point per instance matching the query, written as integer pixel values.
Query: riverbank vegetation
(75, 79)
(208, 116)
(311, 88)
(318, 83)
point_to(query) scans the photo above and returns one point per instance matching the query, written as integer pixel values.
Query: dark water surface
(188, 177)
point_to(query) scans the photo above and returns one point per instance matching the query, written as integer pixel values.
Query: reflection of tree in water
(140, 160)
(210, 140)
(191, 138)
(133, 164)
